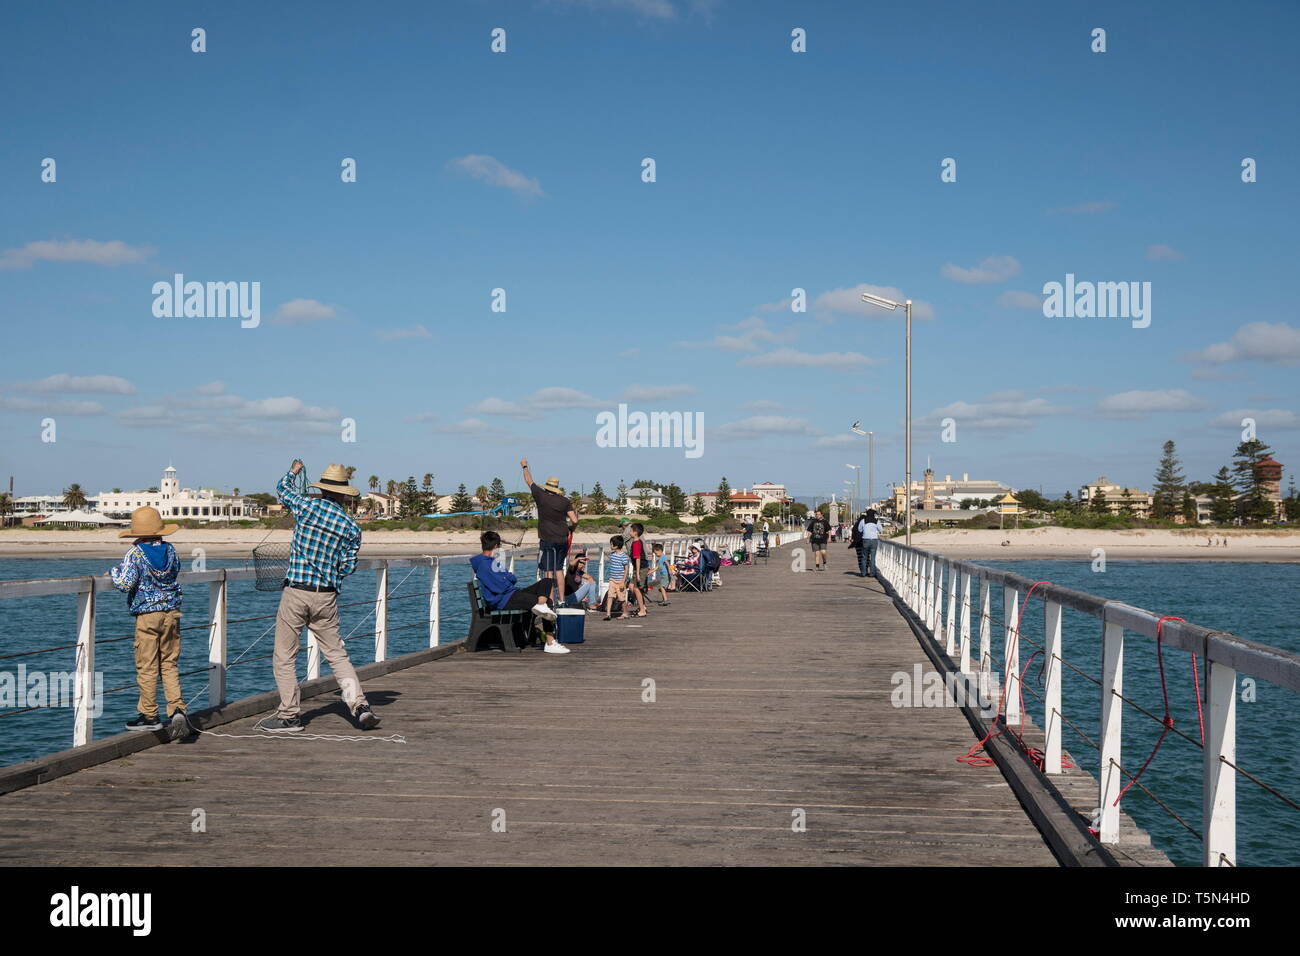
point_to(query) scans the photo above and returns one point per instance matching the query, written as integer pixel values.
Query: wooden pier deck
(772, 696)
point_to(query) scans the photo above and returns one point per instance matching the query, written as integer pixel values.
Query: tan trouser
(158, 649)
(318, 611)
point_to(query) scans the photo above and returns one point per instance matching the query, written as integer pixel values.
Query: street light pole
(891, 305)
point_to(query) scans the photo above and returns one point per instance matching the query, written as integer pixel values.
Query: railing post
(965, 621)
(1011, 651)
(217, 646)
(936, 598)
(381, 613)
(600, 575)
(1052, 691)
(83, 728)
(1109, 782)
(986, 638)
(435, 601)
(950, 644)
(1219, 783)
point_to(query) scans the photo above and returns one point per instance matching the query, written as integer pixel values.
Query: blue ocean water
(1253, 601)
(28, 624)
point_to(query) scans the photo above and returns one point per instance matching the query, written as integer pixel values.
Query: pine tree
(622, 498)
(1191, 514)
(598, 499)
(412, 501)
(1291, 504)
(1126, 507)
(723, 505)
(1166, 496)
(1097, 505)
(1222, 506)
(676, 499)
(1252, 506)
(497, 490)
(460, 501)
(697, 507)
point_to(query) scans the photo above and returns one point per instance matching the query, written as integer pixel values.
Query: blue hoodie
(150, 576)
(496, 585)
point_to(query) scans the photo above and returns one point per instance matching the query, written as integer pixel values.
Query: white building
(173, 501)
(641, 500)
(769, 491)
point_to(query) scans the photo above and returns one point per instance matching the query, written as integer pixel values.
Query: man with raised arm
(325, 545)
(556, 521)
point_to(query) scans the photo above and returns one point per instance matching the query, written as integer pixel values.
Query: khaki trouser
(158, 649)
(318, 611)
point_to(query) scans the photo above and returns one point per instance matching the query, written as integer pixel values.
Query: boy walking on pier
(325, 545)
(819, 532)
(149, 575)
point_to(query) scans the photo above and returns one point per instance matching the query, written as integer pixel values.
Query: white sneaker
(555, 648)
(544, 610)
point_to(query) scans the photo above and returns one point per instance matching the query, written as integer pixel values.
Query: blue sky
(775, 170)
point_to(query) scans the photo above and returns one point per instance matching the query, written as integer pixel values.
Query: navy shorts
(552, 555)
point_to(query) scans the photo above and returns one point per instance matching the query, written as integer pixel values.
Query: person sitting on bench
(502, 593)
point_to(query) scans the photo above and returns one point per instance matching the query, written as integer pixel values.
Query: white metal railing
(917, 576)
(86, 587)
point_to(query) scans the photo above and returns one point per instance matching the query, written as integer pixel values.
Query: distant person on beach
(149, 574)
(324, 551)
(819, 531)
(501, 591)
(556, 521)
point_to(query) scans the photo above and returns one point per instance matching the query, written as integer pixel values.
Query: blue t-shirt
(496, 583)
(616, 565)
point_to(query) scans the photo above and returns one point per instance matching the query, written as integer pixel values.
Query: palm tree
(6, 506)
(374, 482)
(73, 497)
(236, 492)
(350, 469)
(392, 487)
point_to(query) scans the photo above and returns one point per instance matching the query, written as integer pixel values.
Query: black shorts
(552, 555)
(818, 544)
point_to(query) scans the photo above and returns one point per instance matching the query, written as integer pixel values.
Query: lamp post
(871, 462)
(891, 305)
(857, 475)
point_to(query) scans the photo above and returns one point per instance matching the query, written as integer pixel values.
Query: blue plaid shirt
(325, 538)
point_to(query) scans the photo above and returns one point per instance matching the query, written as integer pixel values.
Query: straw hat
(335, 478)
(552, 484)
(147, 523)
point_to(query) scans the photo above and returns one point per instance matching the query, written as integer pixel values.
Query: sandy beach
(1146, 545)
(1033, 543)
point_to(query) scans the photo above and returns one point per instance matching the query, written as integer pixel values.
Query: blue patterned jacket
(148, 588)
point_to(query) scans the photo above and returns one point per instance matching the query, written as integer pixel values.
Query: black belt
(309, 587)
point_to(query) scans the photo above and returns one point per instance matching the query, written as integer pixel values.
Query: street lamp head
(881, 301)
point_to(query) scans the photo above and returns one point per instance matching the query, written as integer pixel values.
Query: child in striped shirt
(616, 570)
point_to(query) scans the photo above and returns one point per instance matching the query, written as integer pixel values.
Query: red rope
(1168, 721)
(1196, 685)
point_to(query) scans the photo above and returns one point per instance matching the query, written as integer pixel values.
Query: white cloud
(654, 9)
(757, 426)
(396, 335)
(499, 406)
(211, 388)
(849, 302)
(303, 312)
(286, 407)
(559, 396)
(999, 411)
(992, 269)
(837, 441)
(79, 384)
(113, 253)
(1276, 418)
(1274, 343)
(1139, 403)
(1085, 208)
(1016, 299)
(490, 170)
(790, 358)
(1162, 253)
(56, 407)
(656, 393)
(764, 405)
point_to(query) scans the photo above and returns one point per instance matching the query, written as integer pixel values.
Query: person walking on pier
(867, 532)
(819, 532)
(149, 574)
(556, 521)
(324, 551)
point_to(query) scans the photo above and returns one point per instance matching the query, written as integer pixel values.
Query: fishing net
(271, 559)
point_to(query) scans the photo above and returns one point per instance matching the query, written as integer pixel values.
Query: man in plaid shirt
(325, 545)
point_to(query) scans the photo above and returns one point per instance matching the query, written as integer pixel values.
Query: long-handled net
(271, 559)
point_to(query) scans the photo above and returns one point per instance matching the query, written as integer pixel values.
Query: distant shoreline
(1031, 544)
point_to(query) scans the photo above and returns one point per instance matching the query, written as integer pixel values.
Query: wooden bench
(483, 621)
